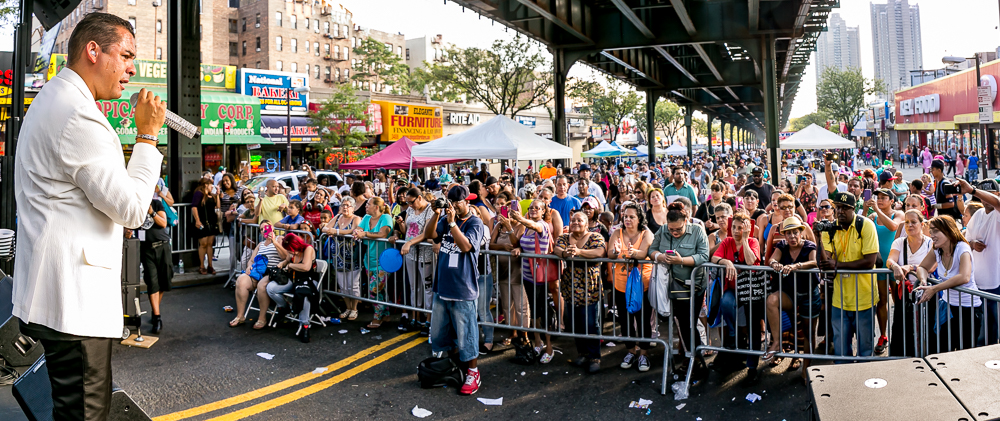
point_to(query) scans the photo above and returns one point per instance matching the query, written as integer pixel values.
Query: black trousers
(80, 374)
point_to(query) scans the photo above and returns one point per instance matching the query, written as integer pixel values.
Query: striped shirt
(527, 245)
(271, 252)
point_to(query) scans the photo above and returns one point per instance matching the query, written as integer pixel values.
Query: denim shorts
(453, 325)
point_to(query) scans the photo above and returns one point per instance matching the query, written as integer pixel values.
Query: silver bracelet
(147, 137)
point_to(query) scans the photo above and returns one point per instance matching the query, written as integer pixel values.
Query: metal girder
(708, 60)
(683, 15)
(629, 14)
(557, 17)
(670, 59)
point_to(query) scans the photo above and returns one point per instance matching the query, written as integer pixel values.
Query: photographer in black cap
(947, 196)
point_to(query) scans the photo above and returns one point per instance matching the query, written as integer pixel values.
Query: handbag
(277, 276)
(633, 291)
(171, 213)
(543, 270)
(659, 289)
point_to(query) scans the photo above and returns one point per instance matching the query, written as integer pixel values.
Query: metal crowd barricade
(803, 303)
(181, 240)
(535, 312)
(244, 236)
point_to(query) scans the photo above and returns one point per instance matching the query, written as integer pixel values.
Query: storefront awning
(217, 108)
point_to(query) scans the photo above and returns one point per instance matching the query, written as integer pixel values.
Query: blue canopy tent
(606, 150)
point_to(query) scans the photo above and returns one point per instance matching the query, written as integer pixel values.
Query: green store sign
(240, 112)
(154, 72)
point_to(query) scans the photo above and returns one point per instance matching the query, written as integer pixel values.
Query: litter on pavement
(753, 397)
(420, 412)
(319, 370)
(342, 331)
(681, 406)
(265, 355)
(494, 402)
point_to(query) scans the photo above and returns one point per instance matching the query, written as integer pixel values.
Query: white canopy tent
(498, 138)
(816, 137)
(605, 149)
(675, 150)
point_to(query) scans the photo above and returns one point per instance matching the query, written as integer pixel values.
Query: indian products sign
(420, 123)
(275, 90)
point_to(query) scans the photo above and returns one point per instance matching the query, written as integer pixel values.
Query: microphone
(173, 121)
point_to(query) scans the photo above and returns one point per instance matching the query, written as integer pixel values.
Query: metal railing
(760, 306)
(181, 235)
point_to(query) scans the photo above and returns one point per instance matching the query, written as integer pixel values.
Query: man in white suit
(74, 196)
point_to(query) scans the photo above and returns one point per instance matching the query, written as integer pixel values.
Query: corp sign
(920, 105)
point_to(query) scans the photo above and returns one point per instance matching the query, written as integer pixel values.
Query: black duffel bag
(437, 372)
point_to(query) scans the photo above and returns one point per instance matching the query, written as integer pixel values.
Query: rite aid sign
(920, 105)
(463, 119)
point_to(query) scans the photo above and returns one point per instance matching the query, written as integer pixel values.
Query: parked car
(292, 179)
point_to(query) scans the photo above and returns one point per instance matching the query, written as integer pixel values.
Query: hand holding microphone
(151, 113)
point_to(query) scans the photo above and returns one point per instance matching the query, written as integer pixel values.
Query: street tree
(434, 80)
(610, 104)
(841, 94)
(377, 65)
(9, 12)
(341, 120)
(800, 123)
(508, 78)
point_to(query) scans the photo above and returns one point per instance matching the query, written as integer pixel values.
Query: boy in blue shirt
(292, 219)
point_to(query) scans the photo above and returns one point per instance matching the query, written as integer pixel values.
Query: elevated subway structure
(739, 62)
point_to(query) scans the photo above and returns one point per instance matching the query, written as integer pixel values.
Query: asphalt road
(202, 369)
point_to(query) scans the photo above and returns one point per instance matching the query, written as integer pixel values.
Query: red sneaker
(471, 385)
(883, 343)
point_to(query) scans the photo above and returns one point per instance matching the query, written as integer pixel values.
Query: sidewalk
(192, 277)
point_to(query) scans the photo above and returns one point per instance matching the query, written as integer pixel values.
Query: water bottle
(180, 267)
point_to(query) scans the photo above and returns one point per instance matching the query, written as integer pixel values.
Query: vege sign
(920, 105)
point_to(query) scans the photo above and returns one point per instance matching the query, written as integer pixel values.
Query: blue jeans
(275, 291)
(992, 321)
(453, 325)
(483, 305)
(845, 324)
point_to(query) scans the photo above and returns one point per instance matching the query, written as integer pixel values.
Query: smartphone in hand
(867, 195)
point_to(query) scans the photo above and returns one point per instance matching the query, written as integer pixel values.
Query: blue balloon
(391, 260)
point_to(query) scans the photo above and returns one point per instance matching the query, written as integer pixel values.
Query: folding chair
(314, 317)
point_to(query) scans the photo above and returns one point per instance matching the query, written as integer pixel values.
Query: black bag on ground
(437, 372)
(524, 354)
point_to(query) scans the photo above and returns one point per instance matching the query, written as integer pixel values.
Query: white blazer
(74, 194)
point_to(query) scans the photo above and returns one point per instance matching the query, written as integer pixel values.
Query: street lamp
(288, 106)
(983, 134)
(156, 11)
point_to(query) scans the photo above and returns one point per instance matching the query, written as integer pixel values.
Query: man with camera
(456, 288)
(948, 197)
(851, 243)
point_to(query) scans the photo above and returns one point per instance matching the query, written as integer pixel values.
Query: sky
(949, 27)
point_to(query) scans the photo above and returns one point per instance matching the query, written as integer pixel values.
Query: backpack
(437, 372)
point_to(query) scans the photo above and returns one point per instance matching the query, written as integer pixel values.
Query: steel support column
(652, 96)
(709, 117)
(560, 69)
(184, 94)
(687, 125)
(770, 105)
(22, 54)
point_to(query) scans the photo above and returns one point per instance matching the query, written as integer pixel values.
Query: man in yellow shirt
(853, 246)
(271, 203)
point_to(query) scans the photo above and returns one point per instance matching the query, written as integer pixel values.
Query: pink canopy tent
(397, 157)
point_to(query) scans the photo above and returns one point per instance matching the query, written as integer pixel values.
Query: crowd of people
(661, 221)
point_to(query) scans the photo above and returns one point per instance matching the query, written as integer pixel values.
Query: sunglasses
(826, 207)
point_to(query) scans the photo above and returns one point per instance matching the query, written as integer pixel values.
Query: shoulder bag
(543, 270)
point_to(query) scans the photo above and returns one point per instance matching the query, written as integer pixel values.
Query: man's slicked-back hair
(101, 28)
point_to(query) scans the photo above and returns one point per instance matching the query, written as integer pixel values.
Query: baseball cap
(460, 192)
(592, 202)
(843, 198)
(584, 167)
(885, 176)
(988, 185)
(834, 167)
(530, 187)
(757, 171)
(491, 180)
(886, 192)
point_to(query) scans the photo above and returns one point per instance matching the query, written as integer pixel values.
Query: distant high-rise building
(839, 47)
(896, 44)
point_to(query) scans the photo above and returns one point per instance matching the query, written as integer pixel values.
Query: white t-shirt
(953, 297)
(913, 258)
(985, 227)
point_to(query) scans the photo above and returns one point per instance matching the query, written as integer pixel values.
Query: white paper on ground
(645, 401)
(679, 407)
(420, 412)
(265, 355)
(753, 397)
(342, 331)
(495, 402)
(319, 370)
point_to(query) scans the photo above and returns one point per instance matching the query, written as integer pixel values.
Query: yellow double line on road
(284, 399)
